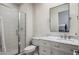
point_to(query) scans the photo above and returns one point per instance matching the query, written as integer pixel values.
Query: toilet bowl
(29, 50)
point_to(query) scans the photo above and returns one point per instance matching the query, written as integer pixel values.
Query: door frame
(3, 37)
(19, 30)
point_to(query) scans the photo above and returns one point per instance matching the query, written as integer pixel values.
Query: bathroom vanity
(55, 45)
(63, 19)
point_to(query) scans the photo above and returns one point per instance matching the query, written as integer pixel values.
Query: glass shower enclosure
(12, 30)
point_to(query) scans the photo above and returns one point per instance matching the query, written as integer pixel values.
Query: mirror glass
(59, 18)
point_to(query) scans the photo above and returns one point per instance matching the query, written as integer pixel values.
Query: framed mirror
(59, 18)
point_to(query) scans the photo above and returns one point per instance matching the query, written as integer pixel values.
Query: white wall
(28, 9)
(41, 21)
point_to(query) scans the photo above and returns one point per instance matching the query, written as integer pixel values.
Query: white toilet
(29, 50)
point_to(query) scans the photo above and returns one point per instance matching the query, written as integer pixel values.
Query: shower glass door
(22, 31)
(14, 30)
(10, 21)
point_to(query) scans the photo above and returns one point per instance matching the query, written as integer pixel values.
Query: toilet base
(23, 53)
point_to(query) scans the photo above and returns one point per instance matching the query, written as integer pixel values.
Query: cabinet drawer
(44, 43)
(64, 46)
(35, 42)
(68, 46)
(63, 50)
(56, 51)
(44, 50)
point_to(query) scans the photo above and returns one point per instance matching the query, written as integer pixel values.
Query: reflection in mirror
(59, 18)
(63, 21)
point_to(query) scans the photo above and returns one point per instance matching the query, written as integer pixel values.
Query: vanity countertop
(58, 39)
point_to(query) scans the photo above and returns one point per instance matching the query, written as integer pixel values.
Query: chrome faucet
(64, 36)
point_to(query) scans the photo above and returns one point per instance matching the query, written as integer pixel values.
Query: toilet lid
(31, 47)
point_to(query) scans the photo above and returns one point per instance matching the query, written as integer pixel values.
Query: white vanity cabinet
(44, 47)
(47, 47)
(43, 50)
(35, 42)
(62, 49)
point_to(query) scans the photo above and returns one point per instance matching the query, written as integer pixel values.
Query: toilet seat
(29, 49)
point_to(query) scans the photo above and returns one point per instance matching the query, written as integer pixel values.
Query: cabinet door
(44, 43)
(62, 49)
(56, 51)
(35, 42)
(44, 50)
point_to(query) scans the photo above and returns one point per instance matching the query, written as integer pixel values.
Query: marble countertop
(60, 40)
